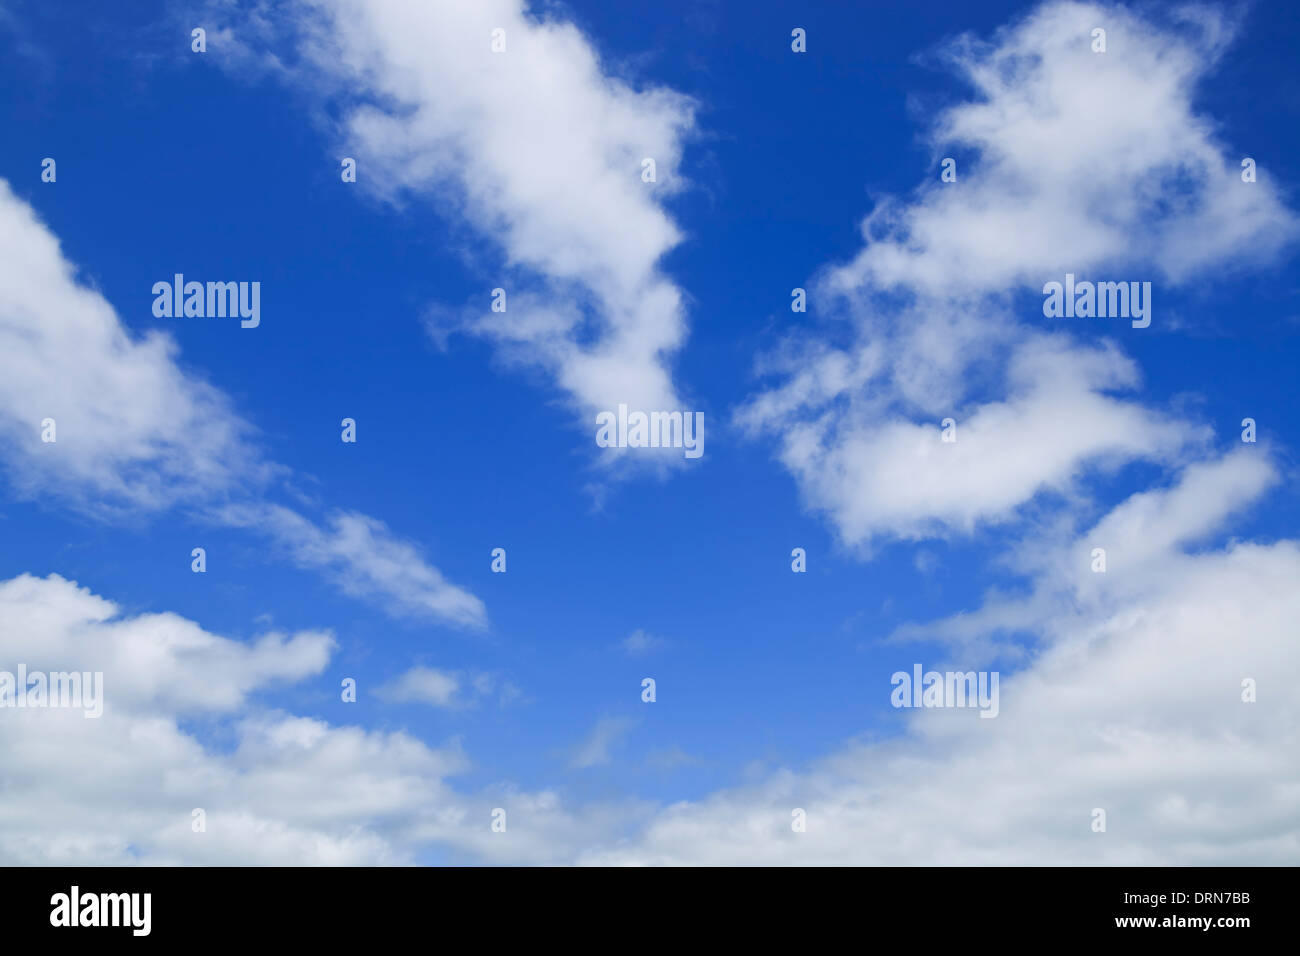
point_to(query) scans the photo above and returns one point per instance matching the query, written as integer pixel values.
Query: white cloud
(135, 432)
(448, 689)
(1091, 163)
(539, 148)
(1132, 704)
(276, 788)
(365, 560)
(152, 660)
(1083, 160)
(426, 685)
(1128, 696)
(1060, 412)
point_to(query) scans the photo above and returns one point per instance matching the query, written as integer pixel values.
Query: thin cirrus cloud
(447, 689)
(425, 685)
(541, 147)
(364, 559)
(640, 643)
(135, 432)
(597, 747)
(1073, 158)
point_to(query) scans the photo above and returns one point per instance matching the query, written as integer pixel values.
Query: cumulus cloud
(185, 725)
(1095, 164)
(1061, 410)
(538, 148)
(1132, 703)
(153, 660)
(1078, 160)
(1128, 695)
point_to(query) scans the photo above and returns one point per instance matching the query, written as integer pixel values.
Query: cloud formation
(135, 432)
(186, 724)
(1089, 163)
(1132, 703)
(539, 147)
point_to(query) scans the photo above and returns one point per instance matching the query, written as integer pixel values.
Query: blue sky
(216, 166)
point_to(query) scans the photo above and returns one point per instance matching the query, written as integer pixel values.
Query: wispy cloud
(596, 749)
(365, 559)
(447, 689)
(639, 643)
(134, 432)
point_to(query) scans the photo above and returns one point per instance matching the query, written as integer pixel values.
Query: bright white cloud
(1090, 163)
(1132, 704)
(1080, 160)
(149, 661)
(133, 430)
(1060, 412)
(539, 148)
(1128, 695)
(276, 788)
